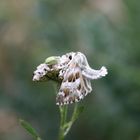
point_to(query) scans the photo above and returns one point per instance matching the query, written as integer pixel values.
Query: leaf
(29, 129)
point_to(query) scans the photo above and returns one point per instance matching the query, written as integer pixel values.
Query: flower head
(73, 72)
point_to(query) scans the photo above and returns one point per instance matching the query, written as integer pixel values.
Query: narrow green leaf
(29, 129)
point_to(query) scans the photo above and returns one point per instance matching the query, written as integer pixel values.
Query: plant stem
(73, 118)
(63, 117)
(64, 125)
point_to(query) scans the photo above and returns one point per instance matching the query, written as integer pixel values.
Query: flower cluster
(74, 74)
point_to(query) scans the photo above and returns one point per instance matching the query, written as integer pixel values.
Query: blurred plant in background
(107, 31)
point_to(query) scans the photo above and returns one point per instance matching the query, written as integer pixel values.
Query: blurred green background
(106, 31)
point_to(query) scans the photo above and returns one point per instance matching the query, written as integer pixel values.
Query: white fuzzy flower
(74, 73)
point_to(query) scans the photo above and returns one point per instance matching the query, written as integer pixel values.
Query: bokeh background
(106, 31)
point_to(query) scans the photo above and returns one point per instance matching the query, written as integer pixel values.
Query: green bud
(52, 60)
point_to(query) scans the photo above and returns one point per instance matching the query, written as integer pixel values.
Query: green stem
(63, 118)
(65, 125)
(73, 118)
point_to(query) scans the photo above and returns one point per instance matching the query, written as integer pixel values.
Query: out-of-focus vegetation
(106, 31)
